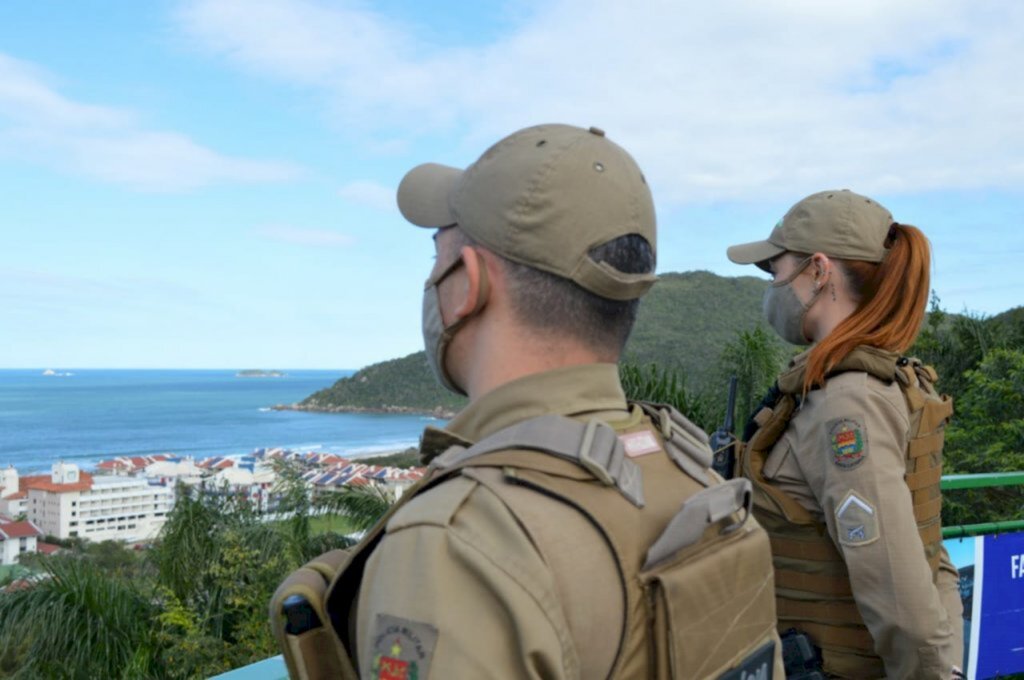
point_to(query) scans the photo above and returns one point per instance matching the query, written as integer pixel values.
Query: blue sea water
(90, 415)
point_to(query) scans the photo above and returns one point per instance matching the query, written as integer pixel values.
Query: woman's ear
(821, 268)
(478, 287)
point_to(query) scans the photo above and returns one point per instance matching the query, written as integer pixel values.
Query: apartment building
(69, 503)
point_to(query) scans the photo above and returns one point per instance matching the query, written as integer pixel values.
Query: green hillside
(687, 318)
(683, 323)
(397, 385)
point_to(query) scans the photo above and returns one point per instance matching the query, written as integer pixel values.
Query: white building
(68, 503)
(175, 470)
(17, 538)
(12, 497)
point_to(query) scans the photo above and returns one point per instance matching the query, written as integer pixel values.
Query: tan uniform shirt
(464, 579)
(856, 487)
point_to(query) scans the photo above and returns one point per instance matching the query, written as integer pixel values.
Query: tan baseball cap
(839, 223)
(544, 196)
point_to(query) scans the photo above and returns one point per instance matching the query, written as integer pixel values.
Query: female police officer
(846, 457)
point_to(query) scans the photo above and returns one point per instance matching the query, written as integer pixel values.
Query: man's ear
(478, 288)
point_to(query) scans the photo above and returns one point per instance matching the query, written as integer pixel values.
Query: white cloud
(370, 194)
(719, 101)
(106, 143)
(318, 238)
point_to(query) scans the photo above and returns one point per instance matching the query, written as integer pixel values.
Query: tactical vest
(697, 588)
(813, 592)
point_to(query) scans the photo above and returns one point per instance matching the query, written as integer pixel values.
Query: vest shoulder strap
(686, 443)
(593, 445)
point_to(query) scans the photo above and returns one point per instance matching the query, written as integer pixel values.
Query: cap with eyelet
(838, 223)
(544, 196)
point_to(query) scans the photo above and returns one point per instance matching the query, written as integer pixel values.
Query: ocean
(85, 416)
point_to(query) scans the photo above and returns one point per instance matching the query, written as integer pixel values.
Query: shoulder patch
(856, 521)
(849, 442)
(402, 649)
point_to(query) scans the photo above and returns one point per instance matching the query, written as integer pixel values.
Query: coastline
(436, 412)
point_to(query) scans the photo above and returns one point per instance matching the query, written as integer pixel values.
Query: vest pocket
(711, 606)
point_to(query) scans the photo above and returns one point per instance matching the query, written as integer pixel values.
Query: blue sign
(997, 630)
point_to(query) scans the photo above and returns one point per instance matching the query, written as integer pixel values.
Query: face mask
(784, 310)
(436, 337)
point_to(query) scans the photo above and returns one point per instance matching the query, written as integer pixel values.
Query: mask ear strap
(796, 272)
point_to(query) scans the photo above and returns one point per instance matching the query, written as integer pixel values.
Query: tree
(755, 357)
(956, 343)
(79, 622)
(987, 435)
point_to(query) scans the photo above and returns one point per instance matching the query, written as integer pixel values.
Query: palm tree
(79, 622)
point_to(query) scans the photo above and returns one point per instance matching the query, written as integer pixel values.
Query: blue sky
(210, 183)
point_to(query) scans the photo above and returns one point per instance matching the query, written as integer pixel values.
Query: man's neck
(514, 356)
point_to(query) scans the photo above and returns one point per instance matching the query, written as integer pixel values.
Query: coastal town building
(12, 497)
(173, 470)
(131, 465)
(342, 474)
(16, 539)
(69, 503)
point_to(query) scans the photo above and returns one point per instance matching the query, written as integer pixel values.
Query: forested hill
(687, 318)
(683, 323)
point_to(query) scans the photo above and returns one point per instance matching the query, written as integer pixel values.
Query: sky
(210, 183)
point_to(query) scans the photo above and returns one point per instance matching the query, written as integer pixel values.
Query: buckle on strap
(706, 507)
(586, 457)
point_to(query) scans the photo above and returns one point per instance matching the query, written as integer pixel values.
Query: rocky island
(259, 373)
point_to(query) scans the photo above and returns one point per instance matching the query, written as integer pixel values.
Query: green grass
(322, 524)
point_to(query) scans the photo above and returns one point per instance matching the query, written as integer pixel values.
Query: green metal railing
(982, 481)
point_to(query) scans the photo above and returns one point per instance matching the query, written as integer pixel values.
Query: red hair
(893, 297)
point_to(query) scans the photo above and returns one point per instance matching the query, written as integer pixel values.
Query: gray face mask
(784, 310)
(436, 337)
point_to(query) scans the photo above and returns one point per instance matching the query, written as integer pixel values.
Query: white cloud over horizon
(738, 100)
(39, 124)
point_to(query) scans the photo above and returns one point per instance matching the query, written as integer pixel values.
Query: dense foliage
(398, 384)
(193, 606)
(981, 364)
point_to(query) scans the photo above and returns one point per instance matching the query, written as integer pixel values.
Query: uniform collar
(872, 360)
(589, 389)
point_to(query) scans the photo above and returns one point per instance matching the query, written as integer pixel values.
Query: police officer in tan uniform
(845, 456)
(560, 532)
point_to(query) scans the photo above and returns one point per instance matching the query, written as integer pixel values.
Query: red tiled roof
(20, 584)
(45, 483)
(23, 529)
(113, 464)
(47, 548)
(16, 496)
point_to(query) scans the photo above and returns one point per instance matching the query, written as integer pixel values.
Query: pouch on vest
(708, 582)
(299, 621)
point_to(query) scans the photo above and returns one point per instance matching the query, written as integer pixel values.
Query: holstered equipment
(697, 585)
(813, 593)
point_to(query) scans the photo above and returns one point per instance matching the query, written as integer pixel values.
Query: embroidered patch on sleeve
(856, 521)
(849, 442)
(639, 443)
(402, 649)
